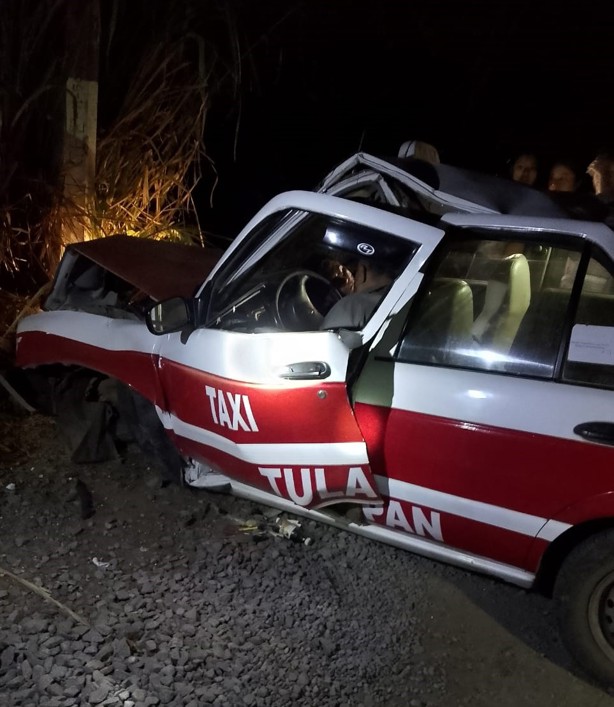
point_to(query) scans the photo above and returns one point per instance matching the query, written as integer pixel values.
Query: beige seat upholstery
(506, 299)
(441, 332)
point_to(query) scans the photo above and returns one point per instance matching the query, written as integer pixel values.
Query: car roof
(486, 192)
(596, 232)
(501, 195)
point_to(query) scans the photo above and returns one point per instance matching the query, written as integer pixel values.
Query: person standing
(562, 177)
(601, 171)
(524, 169)
(420, 150)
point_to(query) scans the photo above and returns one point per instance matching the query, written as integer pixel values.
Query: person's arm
(351, 312)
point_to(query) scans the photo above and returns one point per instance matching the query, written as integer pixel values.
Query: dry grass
(150, 161)
(150, 155)
(28, 91)
(148, 165)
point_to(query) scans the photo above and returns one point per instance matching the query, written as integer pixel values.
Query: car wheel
(584, 593)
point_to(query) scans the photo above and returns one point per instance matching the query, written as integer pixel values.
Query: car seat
(441, 331)
(506, 300)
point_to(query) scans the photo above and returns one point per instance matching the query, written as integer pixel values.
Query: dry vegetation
(29, 93)
(150, 160)
(150, 148)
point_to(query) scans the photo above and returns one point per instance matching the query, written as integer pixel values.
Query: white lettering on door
(302, 484)
(272, 475)
(425, 523)
(358, 484)
(306, 497)
(232, 410)
(321, 486)
(395, 518)
(425, 526)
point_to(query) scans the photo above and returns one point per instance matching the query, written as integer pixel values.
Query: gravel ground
(166, 596)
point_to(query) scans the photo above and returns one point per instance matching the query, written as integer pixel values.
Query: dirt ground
(488, 643)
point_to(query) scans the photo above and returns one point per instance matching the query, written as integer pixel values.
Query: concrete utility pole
(79, 158)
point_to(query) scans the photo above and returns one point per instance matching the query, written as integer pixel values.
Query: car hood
(158, 268)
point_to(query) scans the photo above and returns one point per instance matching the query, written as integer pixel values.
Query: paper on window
(592, 344)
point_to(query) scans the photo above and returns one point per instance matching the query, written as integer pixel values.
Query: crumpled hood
(159, 268)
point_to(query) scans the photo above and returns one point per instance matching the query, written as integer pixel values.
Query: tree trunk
(79, 156)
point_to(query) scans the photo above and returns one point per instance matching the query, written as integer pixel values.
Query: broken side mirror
(169, 316)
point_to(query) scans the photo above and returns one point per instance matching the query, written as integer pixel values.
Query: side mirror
(168, 316)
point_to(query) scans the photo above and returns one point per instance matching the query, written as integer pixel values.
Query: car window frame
(422, 238)
(592, 251)
(554, 240)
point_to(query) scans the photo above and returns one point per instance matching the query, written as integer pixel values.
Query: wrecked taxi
(466, 413)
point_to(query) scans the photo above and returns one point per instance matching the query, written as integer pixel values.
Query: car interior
(510, 307)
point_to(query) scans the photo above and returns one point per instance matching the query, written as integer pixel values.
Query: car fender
(598, 508)
(119, 348)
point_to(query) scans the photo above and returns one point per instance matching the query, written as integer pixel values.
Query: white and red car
(470, 419)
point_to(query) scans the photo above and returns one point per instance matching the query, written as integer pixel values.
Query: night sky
(481, 80)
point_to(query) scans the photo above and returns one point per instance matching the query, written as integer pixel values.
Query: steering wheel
(302, 299)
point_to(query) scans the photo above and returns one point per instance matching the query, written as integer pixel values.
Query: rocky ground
(168, 596)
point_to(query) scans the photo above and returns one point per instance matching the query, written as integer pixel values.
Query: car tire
(584, 594)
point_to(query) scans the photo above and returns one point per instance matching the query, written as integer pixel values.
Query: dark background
(480, 80)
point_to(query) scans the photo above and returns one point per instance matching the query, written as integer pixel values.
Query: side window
(290, 277)
(491, 305)
(590, 358)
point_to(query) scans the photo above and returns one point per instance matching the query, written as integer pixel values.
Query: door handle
(305, 370)
(602, 432)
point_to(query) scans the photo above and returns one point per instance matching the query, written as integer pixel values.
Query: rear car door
(258, 391)
(489, 412)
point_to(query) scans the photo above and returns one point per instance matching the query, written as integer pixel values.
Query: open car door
(257, 389)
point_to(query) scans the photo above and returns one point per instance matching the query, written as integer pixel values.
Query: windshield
(295, 270)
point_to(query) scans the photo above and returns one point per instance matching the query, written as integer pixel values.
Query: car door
(494, 439)
(258, 391)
